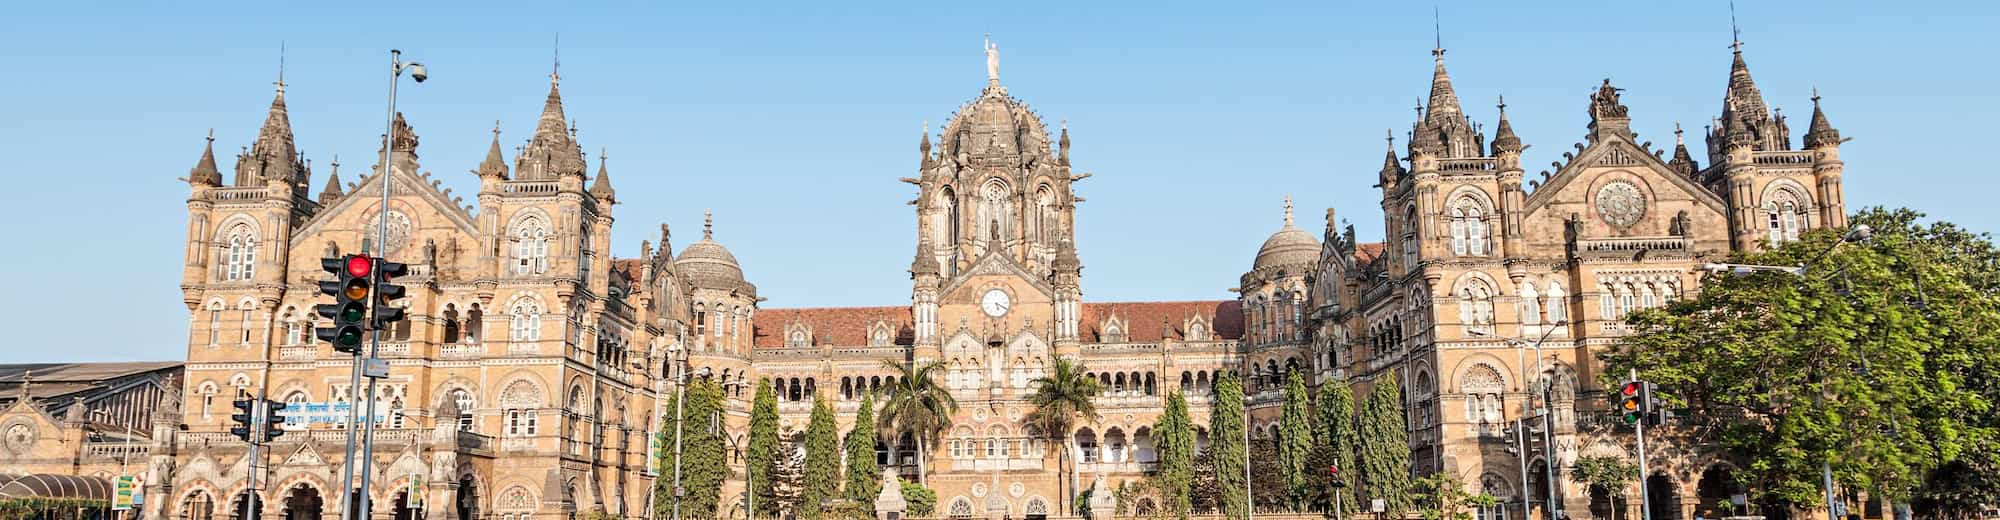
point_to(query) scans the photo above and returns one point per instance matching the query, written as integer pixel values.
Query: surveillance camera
(417, 71)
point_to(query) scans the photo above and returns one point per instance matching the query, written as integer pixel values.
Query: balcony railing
(1782, 157)
(461, 350)
(298, 352)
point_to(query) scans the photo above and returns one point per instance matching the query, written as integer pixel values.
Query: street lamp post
(1858, 233)
(396, 69)
(1548, 427)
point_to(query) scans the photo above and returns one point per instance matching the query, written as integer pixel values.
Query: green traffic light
(1631, 418)
(352, 312)
(349, 336)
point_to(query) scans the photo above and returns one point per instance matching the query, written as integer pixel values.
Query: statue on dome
(992, 61)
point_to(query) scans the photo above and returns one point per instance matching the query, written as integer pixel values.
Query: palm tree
(1062, 395)
(918, 406)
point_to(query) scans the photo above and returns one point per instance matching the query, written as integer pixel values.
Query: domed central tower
(994, 207)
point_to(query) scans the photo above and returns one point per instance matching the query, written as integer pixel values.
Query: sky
(793, 121)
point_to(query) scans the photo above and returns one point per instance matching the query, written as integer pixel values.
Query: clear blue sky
(793, 121)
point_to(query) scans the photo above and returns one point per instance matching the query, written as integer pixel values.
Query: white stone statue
(992, 61)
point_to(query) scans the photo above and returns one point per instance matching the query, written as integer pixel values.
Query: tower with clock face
(996, 264)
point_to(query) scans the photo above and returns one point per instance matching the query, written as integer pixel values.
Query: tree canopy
(863, 476)
(1225, 439)
(1295, 441)
(761, 456)
(1383, 452)
(1176, 451)
(1880, 357)
(822, 468)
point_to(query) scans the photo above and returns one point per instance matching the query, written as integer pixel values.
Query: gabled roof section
(1143, 320)
(407, 185)
(1615, 151)
(838, 326)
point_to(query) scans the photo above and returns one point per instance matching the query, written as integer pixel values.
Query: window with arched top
(1531, 304)
(1475, 305)
(531, 245)
(1045, 215)
(240, 259)
(1494, 486)
(1483, 387)
(525, 322)
(1468, 228)
(995, 212)
(243, 324)
(463, 399)
(1558, 306)
(1785, 216)
(1410, 238)
(295, 328)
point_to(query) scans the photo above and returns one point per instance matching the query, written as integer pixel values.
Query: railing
(1623, 245)
(238, 193)
(395, 348)
(461, 350)
(298, 353)
(1613, 327)
(474, 441)
(532, 187)
(1123, 347)
(1782, 157)
(1464, 165)
(120, 450)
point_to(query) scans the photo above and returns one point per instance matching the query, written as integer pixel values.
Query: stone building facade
(531, 372)
(1490, 284)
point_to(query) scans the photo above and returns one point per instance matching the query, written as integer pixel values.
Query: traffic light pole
(1639, 431)
(1521, 444)
(347, 465)
(253, 509)
(381, 244)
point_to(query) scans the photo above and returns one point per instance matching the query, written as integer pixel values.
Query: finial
(555, 72)
(1419, 108)
(1065, 120)
(336, 162)
(1678, 139)
(496, 129)
(281, 67)
(1389, 134)
(1288, 211)
(1815, 98)
(1503, 104)
(1735, 35)
(1437, 33)
(601, 156)
(707, 224)
(211, 136)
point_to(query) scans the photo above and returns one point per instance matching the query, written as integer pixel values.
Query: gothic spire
(602, 188)
(1504, 139)
(1682, 162)
(552, 152)
(926, 260)
(1063, 143)
(273, 156)
(924, 144)
(495, 165)
(1444, 100)
(1391, 167)
(1820, 132)
(204, 172)
(332, 191)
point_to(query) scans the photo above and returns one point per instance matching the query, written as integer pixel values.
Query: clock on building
(20, 437)
(995, 303)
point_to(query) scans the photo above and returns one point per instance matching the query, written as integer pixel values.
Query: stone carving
(1620, 204)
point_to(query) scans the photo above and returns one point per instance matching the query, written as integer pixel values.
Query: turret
(602, 187)
(1683, 162)
(1825, 142)
(204, 173)
(552, 153)
(1507, 150)
(925, 275)
(331, 193)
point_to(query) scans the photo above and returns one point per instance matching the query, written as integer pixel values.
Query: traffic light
(1636, 402)
(386, 292)
(273, 423)
(243, 418)
(349, 288)
(1334, 471)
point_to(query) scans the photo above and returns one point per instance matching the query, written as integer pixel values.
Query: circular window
(1620, 204)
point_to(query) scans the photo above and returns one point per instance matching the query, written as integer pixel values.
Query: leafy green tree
(863, 476)
(1062, 396)
(761, 456)
(922, 500)
(1334, 439)
(1204, 491)
(1295, 440)
(1225, 439)
(1265, 478)
(918, 406)
(1384, 447)
(1607, 474)
(1443, 497)
(822, 468)
(1880, 357)
(702, 463)
(1175, 432)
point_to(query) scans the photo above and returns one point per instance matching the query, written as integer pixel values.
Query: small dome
(996, 124)
(1289, 247)
(706, 263)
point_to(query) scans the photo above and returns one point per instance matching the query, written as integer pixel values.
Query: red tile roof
(629, 267)
(848, 326)
(842, 326)
(1368, 251)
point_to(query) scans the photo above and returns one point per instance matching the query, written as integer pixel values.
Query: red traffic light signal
(359, 266)
(1635, 401)
(1333, 470)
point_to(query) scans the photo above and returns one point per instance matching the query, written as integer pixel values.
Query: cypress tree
(1296, 439)
(822, 478)
(862, 473)
(762, 456)
(1226, 429)
(1176, 449)
(702, 458)
(1334, 440)
(1384, 454)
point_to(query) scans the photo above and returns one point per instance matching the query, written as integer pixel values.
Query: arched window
(995, 212)
(1482, 387)
(1785, 215)
(1531, 304)
(214, 323)
(1646, 298)
(1468, 227)
(1558, 303)
(1475, 305)
(295, 329)
(473, 324)
(1494, 486)
(198, 506)
(450, 323)
(531, 246)
(1410, 238)
(1607, 303)
(1627, 301)
(1045, 215)
(527, 320)
(208, 391)
(240, 261)
(243, 324)
(463, 399)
